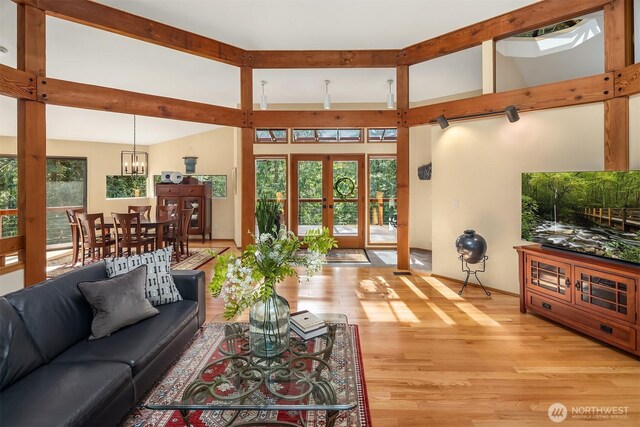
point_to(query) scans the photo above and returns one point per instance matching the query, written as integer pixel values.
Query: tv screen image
(596, 213)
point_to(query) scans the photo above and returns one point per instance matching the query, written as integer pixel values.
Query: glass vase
(269, 326)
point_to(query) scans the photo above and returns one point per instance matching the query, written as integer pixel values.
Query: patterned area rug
(345, 256)
(62, 264)
(207, 345)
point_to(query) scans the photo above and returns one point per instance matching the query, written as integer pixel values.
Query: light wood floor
(434, 358)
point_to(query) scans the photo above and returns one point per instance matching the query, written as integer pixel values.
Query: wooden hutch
(595, 296)
(185, 196)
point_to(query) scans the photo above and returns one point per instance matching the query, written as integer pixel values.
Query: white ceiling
(83, 54)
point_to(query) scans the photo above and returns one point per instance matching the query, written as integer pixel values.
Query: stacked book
(307, 325)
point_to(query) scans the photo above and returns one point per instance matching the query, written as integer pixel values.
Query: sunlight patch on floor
(378, 311)
(474, 313)
(442, 288)
(437, 310)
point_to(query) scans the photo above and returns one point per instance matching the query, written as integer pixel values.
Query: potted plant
(249, 281)
(268, 215)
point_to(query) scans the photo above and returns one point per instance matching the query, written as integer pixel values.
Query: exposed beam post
(618, 53)
(248, 164)
(488, 66)
(32, 148)
(402, 158)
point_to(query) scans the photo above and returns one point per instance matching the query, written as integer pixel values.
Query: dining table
(154, 223)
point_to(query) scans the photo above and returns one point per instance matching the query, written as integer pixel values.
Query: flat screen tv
(596, 213)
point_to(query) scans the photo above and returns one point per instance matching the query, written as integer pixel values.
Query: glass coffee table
(314, 382)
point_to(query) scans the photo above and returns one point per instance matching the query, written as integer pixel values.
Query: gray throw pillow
(117, 302)
(160, 288)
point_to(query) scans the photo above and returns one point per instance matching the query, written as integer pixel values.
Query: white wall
(215, 152)
(478, 163)
(419, 191)
(634, 131)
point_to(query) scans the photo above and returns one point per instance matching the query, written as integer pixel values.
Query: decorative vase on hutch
(269, 326)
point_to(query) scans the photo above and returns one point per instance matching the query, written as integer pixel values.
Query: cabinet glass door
(549, 277)
(606, 293)
(193, 202)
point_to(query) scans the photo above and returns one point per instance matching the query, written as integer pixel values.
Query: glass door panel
(194, 226)
(345, 198)
(311, 201)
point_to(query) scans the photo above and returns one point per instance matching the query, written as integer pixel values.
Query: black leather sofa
(51, 375)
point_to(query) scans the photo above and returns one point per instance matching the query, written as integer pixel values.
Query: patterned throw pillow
(160, 287)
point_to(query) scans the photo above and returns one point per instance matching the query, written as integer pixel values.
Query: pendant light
(390, 102)
(327, 98)
(133, 162)
(263, 98)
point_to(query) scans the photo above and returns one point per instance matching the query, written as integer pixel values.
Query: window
(382, 135)
(277, 136)
(66, 189)
(271, 180)
(123, 186)
(327, 135)
(383, 186)
(218, 184)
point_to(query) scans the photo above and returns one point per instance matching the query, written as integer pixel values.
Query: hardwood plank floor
(434, 358)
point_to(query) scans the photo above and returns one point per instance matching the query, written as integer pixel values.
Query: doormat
(344, 256)
(210, 344)
(199, 256)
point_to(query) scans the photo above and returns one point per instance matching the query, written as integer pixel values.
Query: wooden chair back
(184, 220)
(127, 227)
(72, 215)
(93, 237)
(143, 210)
(169, 211)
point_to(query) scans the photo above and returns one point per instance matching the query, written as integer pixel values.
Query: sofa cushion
(137, 344)
(65, 394)
(55, 313)
(117, 302)
(18, 353)
(160, 287)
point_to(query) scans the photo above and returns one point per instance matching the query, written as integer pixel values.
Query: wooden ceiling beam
(80, 95)
(17, 83)
(323, 58)
(571, 92)
(520, 20)
(116, 21)
(312, 119)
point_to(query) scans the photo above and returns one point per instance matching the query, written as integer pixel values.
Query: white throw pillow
(160, 288)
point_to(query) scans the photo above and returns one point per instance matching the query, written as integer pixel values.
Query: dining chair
(75, 234)
(94, 240)
(129, 234)
(144, 210)
(180, 235)
(167, 211)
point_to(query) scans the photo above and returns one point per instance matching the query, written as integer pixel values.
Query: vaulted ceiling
(83, 54)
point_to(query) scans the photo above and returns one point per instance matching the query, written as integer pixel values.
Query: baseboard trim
(414, 248)
(475, 285)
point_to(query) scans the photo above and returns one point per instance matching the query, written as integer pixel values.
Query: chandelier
(134, 162)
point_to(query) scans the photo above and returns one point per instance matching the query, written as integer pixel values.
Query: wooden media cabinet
(595, 296)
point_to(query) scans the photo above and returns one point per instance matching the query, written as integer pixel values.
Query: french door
(329, 191)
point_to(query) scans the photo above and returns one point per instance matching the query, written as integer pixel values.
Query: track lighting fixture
(263, 98)
(512, 113)
(327, 98)
(442, 121)
(390, 103)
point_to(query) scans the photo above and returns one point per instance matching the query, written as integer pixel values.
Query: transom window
(383, 135)
(278, 136)
(327, 135)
